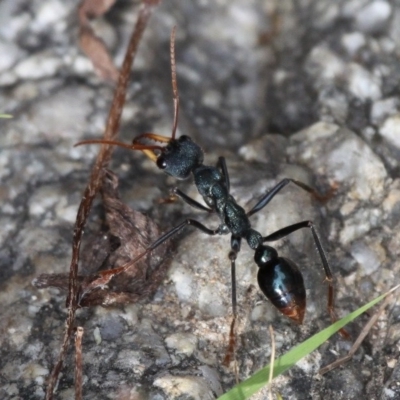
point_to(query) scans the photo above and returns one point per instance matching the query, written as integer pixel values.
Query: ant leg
(105, 276)
(221, 164)
(173, 231)
(235, 248)
(193, 203)
(271, 194)
(328, 273)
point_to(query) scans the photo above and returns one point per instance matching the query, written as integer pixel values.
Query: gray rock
(299, 89)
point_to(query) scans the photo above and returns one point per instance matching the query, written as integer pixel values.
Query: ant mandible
(278, 278)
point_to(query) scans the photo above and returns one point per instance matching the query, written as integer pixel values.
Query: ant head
(179, 157)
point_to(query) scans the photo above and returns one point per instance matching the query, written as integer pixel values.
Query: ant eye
(161, 163)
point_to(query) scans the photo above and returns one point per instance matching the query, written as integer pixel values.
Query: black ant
(279, 278)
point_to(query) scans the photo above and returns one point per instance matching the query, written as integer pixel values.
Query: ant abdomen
(282, 283)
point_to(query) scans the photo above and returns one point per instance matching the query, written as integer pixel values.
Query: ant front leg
(173, 231)
(192, 202)
(328, 273)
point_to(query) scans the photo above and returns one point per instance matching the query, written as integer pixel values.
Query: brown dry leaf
(134, 232)
(95, 8)
(127, 235)
(92, 45)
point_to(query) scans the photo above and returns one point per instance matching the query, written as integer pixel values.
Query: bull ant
(278, 278)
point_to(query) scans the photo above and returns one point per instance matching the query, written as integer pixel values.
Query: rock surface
(300, 89)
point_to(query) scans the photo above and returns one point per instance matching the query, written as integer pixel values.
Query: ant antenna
(137, 144)
(174, 82)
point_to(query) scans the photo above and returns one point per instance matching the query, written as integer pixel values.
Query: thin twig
(93, 186)
(360, 338)
(78, 363)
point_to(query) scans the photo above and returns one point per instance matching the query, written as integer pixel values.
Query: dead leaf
(92, 45)
(126, 236)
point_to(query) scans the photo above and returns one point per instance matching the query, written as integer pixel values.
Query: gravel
(299, 89)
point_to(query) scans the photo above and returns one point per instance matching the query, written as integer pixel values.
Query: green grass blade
(251, 385)
(5, 116)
